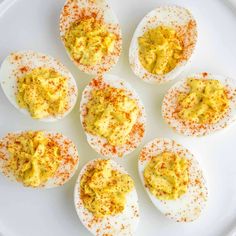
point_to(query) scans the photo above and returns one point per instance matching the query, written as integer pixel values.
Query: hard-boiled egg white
(65, 171)
(175, 17)
(74, 11)
(170, 103)
(99, 143)
(20, 63)
(123, 223)
(190, 205)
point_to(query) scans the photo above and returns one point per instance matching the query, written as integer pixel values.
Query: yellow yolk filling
(43, 92)
(88, 41)
(160, 50)
(111, 114)
(167, 176)
(104, 190)
(206, 102)
(33, 158)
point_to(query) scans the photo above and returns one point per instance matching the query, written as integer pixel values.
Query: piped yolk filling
(34, 158)
(205, 103)
(160, 50)
(111, 114)
(43, 92)
(104, 190)
(167, 176)
(89, 41)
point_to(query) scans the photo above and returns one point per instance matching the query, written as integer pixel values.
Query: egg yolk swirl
(89, 41)
(104, 190)
(34, 158)
(167, 176)
(43, 92)
(111, 114)
(205, 103)
(160, 50)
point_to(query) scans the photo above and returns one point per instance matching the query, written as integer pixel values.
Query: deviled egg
(38, 85)
(91, 35)
(173, 180)
(162, 44)
(200, 104)
(38, 158)
(105, 199)
(112, 116)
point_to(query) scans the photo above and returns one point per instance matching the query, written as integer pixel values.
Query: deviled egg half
(173, 180)
(112, 116)
(91, 34)
(38, 159)
(200, 104)
(38, 85)
(162, 44)
(105, 199)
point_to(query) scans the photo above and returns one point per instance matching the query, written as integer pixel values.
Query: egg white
(172, 16)
(64, 172)
(124, 223)
(190, 205)
(170, 103)
(71, 12)
(98, 143)
(18, 64)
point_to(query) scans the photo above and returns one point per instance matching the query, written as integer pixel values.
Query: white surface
(33, 24)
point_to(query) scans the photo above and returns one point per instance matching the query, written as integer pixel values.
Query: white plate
(33, 24)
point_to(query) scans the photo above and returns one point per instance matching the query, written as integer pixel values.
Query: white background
(33, 24)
